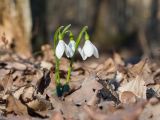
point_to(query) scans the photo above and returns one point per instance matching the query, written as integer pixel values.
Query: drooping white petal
(60, 49)
(84, 57)
(88, 48)
(68, 51)
(95, 53)
(72, 45)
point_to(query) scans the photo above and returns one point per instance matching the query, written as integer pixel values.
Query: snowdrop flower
(63, 47)
(88, 50)
(70, 49)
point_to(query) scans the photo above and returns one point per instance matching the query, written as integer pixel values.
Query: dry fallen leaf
(7, 83)
(47, 53)
(94, 99)
(14, 105)
(86, 91)
(94, 114)
(46, 65)
(37, 105)
(106, 70)
(156, 76)
(68, 109)
(16, 65)
(18, 92)
(3, 73)
(127, 97)
(107, 107)
(96, 87)
(130, 112)
(151, 112)
(136, 86)
(56, 116)
(28, 93)
(118, 59)
(139, 68)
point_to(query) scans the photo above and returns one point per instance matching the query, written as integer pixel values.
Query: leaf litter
(106, 89)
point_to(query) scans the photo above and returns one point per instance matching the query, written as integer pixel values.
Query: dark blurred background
(131, 27)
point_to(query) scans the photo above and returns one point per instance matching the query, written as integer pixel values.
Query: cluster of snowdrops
(60, 47)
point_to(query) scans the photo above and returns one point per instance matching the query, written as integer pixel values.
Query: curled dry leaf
(17, 74)
(14, 105)
(38, 105)
(108, 65)
(16, 65)
(118, 59)
(136, 86)
(18, 92)
(106, 70)
(28, 93)
(19, 81)
(156, 76)
(142, 69)
(7, 82)
(3, 73)
(127, 97)
(46, 65)
(35, 79)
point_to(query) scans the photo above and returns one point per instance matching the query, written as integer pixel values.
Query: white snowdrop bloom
(70, 49)
(61, 46)
(88, 50)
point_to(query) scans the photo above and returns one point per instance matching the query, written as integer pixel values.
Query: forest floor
(101, 89)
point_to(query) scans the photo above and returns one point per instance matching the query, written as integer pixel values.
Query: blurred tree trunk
(76, 12)
(118, 20)
(153, 29)
(112, 23)
(39, 32)
(15, 22)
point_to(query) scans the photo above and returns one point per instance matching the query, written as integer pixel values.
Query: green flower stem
(69, 70)
(71, 36)
(58, 36)
(57, 76)
(78, 40)
(86, 37)
(65, 30)
(57, 71)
